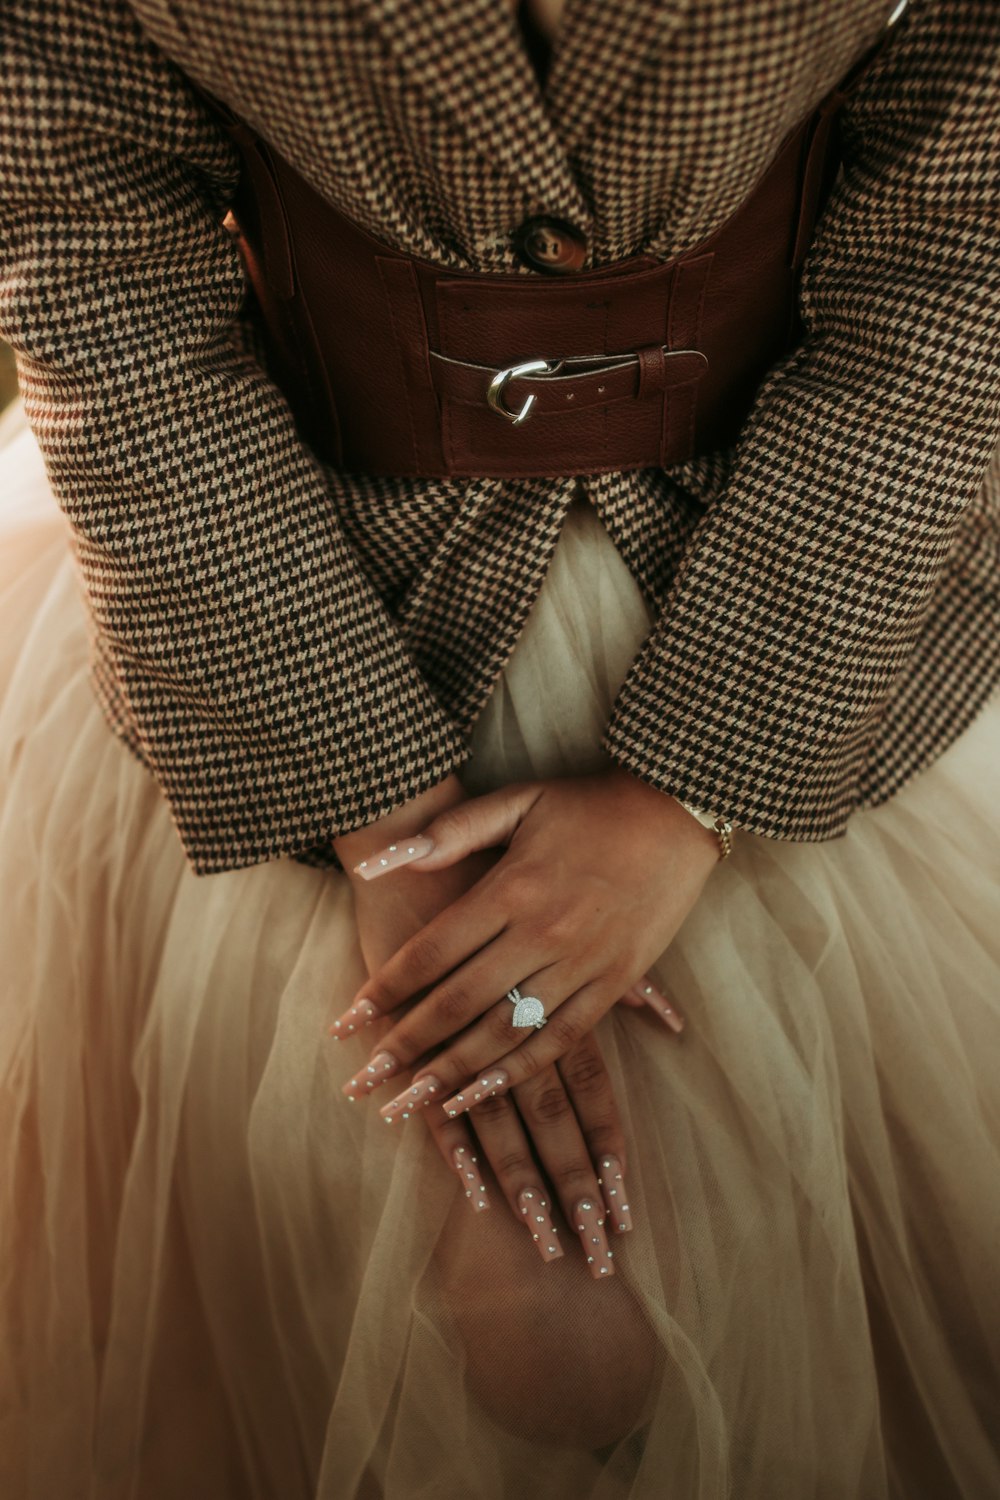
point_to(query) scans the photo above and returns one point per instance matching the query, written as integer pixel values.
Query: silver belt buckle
(588, 363)
(494, 394)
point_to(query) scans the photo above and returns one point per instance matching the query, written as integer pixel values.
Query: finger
(475, 1065)
(588, 1084)
(470, 1054)
(504, 1143)
(447, 940)
(576, 1016)
(648, 994)
(550, 1119)
(457, 1145)
(473, 996)
(477, 823)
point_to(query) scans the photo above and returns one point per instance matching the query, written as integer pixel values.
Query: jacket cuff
(693, 741)
(234, 805)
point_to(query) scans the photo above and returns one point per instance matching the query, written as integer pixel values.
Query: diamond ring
(528, 1009)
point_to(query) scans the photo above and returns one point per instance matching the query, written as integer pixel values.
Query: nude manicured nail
(466, 1165)
(415, 1097)
(394, 855)
(483, 1087)
(613, 1189)
(667, 1012)
(535, 1208)
(360, 1014)
(382, 1066)
(588, 1221)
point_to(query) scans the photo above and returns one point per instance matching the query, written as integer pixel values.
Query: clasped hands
(582, 884)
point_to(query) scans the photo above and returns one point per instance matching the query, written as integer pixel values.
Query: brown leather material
(387, 359)
(645, 374)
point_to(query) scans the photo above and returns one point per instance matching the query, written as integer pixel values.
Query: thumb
(477, 823)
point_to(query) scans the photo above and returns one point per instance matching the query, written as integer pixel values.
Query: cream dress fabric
(218, 1280)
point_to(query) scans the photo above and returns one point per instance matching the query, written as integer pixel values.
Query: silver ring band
(528, 1009)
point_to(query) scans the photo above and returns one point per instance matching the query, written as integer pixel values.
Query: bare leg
(551, 1353)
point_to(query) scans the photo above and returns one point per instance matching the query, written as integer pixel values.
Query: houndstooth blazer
(294, 652)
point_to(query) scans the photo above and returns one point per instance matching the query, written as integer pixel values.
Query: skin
(569, 888)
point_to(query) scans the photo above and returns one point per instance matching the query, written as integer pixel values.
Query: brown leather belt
(393, 365)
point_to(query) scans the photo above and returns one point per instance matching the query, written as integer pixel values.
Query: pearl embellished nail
(360, 1014)
(534, 1206)
(394, 855)
(484, 1087)
(374, 1073)
(588, 1221)
(419, 1093)
(466, 1165)
(612, 1185)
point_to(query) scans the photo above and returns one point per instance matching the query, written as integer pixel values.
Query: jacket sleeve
(799, 597)
(237, 646)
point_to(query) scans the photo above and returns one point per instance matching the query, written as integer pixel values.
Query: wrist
(715, 823)
(702, 830)
(401, 823)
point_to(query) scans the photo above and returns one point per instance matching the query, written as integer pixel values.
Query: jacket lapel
(600, 47)
(468, 57)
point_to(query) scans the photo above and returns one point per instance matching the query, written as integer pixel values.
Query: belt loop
(652, 371)
(687, 302)
(678, 430)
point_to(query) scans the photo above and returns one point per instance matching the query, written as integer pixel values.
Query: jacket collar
(469, 57)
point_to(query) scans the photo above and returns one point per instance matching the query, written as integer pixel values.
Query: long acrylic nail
(659, 1002)
(361, 1013)
(394, 855)
(535, 1208)
(466, 1165)
(612, 1185)
(382, 1066)
(415, 1097)
(588, 1221)
(483, 1087)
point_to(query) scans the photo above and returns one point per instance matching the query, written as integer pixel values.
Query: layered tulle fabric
(219, 1281)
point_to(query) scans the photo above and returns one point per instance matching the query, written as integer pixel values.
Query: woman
(222, 1278)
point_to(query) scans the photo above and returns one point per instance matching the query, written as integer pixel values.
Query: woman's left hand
(598, 875)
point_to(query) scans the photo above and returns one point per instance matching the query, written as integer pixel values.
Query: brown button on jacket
(294, 651)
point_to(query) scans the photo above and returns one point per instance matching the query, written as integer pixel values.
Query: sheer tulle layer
(220, 1280)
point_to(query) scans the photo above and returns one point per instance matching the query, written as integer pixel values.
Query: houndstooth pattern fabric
(295, 651)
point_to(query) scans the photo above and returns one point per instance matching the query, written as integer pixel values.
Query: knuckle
(585, 1072)
(564, 1030)
(557, 927)
(453, 1068)
(550, 1104)
(499, 1025)
(451, 824)
(494, 1106)
(577, 1175)
(452, 1004)
(421, 954)
(528, 1065)
(620, 973)
(511, 1163)
(515, 886)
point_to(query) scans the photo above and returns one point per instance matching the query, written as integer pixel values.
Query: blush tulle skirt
(219, 1281)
